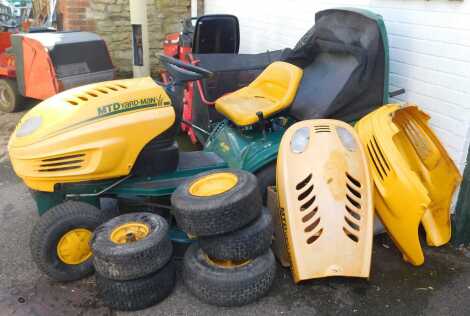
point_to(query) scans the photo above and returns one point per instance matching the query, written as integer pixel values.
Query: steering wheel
(170, 61)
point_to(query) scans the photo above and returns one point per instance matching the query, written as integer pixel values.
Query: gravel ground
(7, 125)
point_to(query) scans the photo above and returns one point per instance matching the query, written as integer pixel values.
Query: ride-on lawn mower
(40, 65)
(118, 139)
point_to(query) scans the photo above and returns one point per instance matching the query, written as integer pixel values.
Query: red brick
(74, 15)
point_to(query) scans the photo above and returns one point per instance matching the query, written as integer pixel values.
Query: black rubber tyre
(49, 230)
(266, 178)
(136, 259)
(110, 206)
(10, 98)
(140, 293)
(246, 243)
(221, 286)
(221, 213)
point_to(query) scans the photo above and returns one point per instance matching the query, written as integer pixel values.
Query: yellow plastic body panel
(89, 133)
(413, 175)
(326, 202)
(273, 91)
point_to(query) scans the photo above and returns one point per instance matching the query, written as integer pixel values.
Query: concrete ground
(440, 287)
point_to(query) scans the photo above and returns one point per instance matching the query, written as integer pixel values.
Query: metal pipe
(115, 184)
(196, 127)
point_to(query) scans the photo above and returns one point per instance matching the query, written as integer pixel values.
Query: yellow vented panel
(325, 195)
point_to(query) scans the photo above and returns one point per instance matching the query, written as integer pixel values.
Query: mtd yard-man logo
(117, 107)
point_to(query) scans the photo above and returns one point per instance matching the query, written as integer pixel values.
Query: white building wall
(429, 50)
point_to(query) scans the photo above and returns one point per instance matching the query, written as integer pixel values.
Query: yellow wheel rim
(229, 264)
(213, 184)
(74, 246)
(129, 232)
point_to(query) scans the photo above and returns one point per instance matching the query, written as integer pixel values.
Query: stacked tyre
(232, 263)
(132, 259)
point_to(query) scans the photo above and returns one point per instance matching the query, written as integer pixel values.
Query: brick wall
(111, 20)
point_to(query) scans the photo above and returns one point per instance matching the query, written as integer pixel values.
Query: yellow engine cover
(413, 175)
(89, 133)
(325, 195)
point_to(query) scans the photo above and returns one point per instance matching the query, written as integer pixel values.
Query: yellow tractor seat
(273, 91)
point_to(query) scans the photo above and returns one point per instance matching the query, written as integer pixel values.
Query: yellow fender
(326, 201)
(413, 174)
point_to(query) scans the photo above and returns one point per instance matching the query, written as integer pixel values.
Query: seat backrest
(345, 62)
(216, 34)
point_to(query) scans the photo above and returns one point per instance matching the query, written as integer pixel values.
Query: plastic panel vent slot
(92, 94)
(322, 129)
(62, 163)
(378, 158)
(309, 211)
(95, 93)
(112, 88)
(353, 208)
(102, 90)
(427, 151)
(105, 90)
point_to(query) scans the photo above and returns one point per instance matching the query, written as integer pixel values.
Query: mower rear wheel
(10, 98)
(60, 240)
(217, 202)
(131, 246)
(244, 244)
(228, 283)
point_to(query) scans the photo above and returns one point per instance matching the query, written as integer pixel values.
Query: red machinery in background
(180, 45)
(40, 64)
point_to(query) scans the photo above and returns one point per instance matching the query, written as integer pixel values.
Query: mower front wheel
(60, 240)
(10, 98)
(133, 295)
(131, 246)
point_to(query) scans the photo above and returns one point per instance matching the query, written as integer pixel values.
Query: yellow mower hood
(78, 107)
(325, 195)
(89, 133)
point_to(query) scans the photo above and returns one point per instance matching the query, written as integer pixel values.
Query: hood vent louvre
(95, 92)
(322, 129)
(63, 163)
(378, 158)
(310, 218)
(352, 217)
